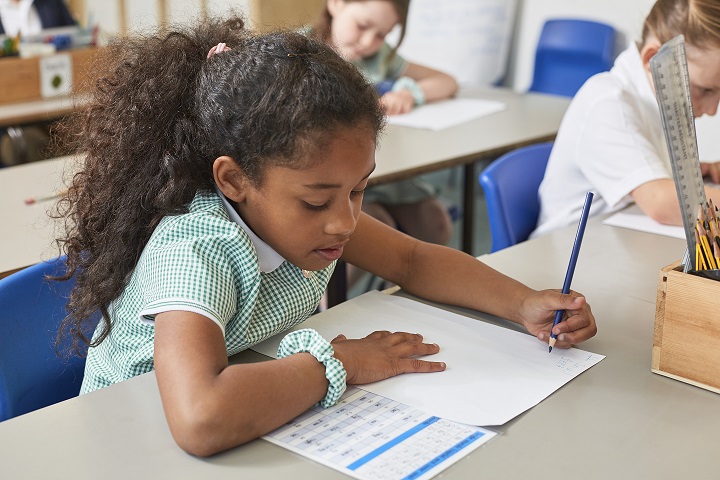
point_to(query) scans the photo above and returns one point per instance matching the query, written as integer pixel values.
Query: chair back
(32, 374)
(569, 52)
(511, 187)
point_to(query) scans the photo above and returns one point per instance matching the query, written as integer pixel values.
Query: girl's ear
(230, 178)
(648, 51)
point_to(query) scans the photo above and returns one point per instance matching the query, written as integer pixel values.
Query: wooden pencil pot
(686, 344)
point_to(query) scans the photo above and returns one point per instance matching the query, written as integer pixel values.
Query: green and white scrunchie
(310, 341)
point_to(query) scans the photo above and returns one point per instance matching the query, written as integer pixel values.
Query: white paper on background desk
(643, 223)
(446, 113)
(493, 374)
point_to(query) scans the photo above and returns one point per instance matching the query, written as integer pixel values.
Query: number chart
(368, 436)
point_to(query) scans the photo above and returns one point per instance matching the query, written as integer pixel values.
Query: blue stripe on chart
(444, 456)
(383, 448)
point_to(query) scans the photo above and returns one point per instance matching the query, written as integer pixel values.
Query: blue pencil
(573, 261)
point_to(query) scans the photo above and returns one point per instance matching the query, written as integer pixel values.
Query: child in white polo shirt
(611, 139)
(223, 178)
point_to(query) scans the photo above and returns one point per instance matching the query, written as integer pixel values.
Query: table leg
(468, 227)
(337, 288)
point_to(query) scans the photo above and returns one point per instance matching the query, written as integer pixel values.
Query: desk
(27, 232)
(33, 111)
(617, 420)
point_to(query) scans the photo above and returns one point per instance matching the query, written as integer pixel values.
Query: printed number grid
(369, 436)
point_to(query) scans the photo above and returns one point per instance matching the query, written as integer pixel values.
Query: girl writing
(223, 178)
(611, 139)
(357, 30)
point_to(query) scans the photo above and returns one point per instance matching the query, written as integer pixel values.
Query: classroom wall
(143, 14)
(469, 39)
(528, 18)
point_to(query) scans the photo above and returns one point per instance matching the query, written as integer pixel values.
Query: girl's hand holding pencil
(539, 311)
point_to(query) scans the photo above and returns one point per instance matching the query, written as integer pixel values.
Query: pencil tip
(549, 349)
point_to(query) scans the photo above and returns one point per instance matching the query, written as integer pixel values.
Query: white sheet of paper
(493, 374)
(446, 113)
(643, 223)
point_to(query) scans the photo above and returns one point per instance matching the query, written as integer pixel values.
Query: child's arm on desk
(446, 275)
(434, 85)
(658, 200)
(212, 406)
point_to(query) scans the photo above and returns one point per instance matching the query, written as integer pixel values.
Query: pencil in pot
(573, 262)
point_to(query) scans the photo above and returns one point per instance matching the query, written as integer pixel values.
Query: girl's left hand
(538, 313)
(397, 102)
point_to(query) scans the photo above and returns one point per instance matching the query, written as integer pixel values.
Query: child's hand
(381, 355)
(397, 102)
(578, 324)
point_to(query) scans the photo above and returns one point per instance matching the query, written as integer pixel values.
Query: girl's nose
(344, 219)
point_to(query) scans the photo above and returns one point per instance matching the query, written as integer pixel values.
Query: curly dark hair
(161, 116)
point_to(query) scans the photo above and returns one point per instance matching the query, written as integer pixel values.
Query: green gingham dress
(209, 262)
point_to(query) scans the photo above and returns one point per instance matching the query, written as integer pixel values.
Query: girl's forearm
(244, 402)
(438, 88)
(450, 276)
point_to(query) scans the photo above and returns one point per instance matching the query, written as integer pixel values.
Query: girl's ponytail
(137, 137)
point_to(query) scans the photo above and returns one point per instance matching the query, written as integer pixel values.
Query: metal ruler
(672, 89)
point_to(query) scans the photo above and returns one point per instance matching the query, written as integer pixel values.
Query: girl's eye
(358, 193)
(316, 208)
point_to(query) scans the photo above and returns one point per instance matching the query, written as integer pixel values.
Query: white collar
(268, 258)
(631, 63)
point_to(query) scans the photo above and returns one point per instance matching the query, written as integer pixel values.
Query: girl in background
(611, 139)
(357, 30)
(222, 178)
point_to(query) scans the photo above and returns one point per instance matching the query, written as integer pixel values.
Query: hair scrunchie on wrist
(407, 83)
(310, 341)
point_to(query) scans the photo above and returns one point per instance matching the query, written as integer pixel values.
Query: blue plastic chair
(511, 187)
(569, 52)
(32, 374)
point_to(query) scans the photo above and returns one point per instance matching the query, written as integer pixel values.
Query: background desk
(529, 118)
(403, 152)
(26, 231)
(617, 420)
(34, 111)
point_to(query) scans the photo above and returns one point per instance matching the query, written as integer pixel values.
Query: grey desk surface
(617, 420)
(27, 233)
